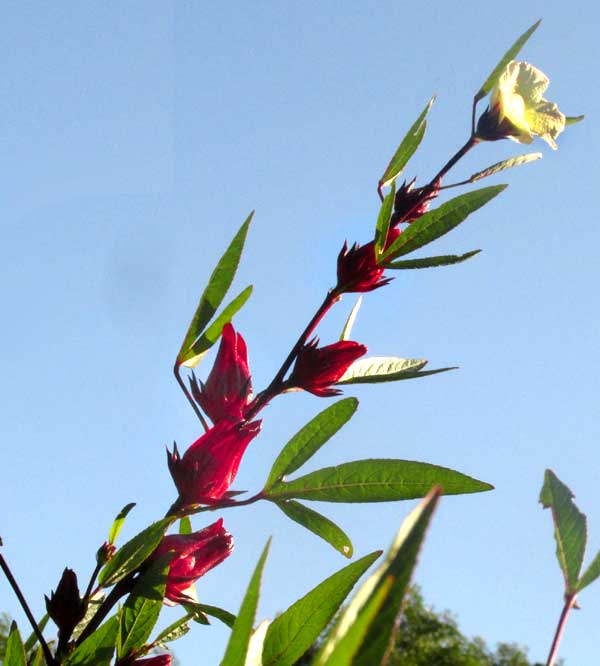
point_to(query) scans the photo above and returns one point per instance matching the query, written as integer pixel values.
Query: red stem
(560, 627)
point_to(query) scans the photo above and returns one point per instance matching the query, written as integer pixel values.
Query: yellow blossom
(518, 110)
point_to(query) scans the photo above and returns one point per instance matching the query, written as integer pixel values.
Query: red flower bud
(65, 606)
(193, 555)
(228, 389)
(317, 368)
(209, 466)
(411, 203)
(158, 660)
(357, 270)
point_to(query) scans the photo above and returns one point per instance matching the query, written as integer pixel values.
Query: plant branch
(36, 630)
(560, 627)
(188, 396)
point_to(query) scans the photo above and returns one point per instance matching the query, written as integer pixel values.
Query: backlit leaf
(383, 221)
(97, 649)
(347, 330)
(504, 165)
(118, 522)
(14, 654)
(432, 262)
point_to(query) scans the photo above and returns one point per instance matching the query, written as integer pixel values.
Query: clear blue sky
(137, 136)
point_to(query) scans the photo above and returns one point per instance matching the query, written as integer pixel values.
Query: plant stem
(560, 627)
(455, 158)
(277, 383)
(13, 583)
(88, 591)
(188, 396)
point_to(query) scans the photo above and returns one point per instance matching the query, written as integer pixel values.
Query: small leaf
(130, 556)
(174, 631)
(391, 579)
(504, 165)
(432, 262)
(97, 649)
(380, 369)
(376, 480)
(346, 332)
(198, 350)
(318, 524)
(226, 617)
(185, 525)
(590, 574)
(142, 608)
(118, 522)
(571, 120)
(406, 149)
(33, 639)
(436, 223)
(14, 654)
(237, 647)
(217, 287)
(570, 530)
(307, 441)
(492, 79)
(383, 221)
(297, 628)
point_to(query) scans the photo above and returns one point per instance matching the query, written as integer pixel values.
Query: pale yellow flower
(518, 110)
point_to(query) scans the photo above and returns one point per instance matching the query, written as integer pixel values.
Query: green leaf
(130, 556)
(33, 639)
(307, 441)
(198, 350)
(504, 165)
(97, 649)
(118, 522)
(383, 221)
(94, 603)
(237, 648)
(432, 262)
(14, 654)
(217, 287)
(570, 530)
(295, 630)
(318, 524)
(376, 480)
(406, 149)
(174, 631)
(347, 330)
(185, 525)
(492, 79)
(380, 369)
(38, 658)
(226, 617)
(142, 608)
(377, 633)
(571, 120)
(436, 223)
(590, 574)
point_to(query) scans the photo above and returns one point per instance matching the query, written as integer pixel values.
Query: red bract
(209, 466)
(411, 203)
(158, 660)
(228, 389)
(317, 368)
(193, 555)
(357, 270)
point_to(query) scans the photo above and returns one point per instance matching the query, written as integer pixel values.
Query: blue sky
(137, 136)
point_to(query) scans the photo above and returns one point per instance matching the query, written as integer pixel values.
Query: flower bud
(410, 202)
(65, 606)
(192, 556)
(317, 368)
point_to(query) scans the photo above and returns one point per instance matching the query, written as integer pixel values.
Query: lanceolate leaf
(318, 524)
(570, 530)
(436, 223)
(351, 319)
(118, 522)
(198, 350)
(133, 553)
(590, 574)
(432, 262)
(504, 165)
(217, 287)
(307, 441)
(14, 654)
(296, 629)
(221, 614)
(175, 630)
(237, 648)
(391, 579)
(380, 369)
(97, 649)
(376, 480)
(571, 120)
(142, 608)
(406, 149)
(383, 221)
(512, 52)
(33, 639)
